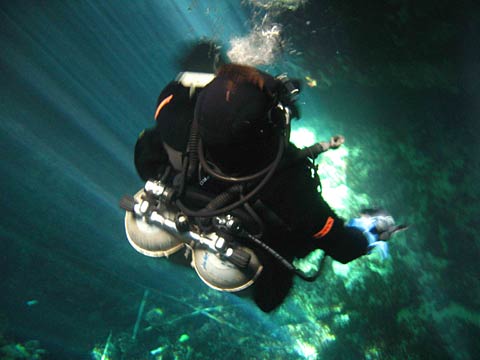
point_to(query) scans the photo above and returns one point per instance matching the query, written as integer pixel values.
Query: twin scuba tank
(155, 227)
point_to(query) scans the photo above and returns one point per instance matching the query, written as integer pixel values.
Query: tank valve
(229, 223)
(181, 223)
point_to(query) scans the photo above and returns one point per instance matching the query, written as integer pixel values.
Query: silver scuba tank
(153, 229)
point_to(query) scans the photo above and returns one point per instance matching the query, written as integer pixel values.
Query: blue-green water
(79, 81)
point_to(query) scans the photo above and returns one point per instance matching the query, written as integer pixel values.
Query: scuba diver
(224, 183)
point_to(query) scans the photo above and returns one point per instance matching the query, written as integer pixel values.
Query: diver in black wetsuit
(231, 137)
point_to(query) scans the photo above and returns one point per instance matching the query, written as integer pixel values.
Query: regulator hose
(283, 261)
(209, 170)
(209, 213)
(192, 149)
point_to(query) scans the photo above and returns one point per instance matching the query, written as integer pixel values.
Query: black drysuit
(297, 218)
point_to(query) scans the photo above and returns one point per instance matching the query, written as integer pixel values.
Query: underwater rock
(29, 350)
(155, 317)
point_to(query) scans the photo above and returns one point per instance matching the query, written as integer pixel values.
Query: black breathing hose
(209, 170)
(190, 162)
(183, 175)
(256, 219)
(283, 261)
(224, 198)
(209, 213)
(192, 148)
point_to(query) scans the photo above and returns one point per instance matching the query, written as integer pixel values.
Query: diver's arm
(293, 195)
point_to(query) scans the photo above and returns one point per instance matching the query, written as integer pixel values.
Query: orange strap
(326, 228)
(162, 104)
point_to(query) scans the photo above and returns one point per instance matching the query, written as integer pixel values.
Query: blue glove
(377, 226)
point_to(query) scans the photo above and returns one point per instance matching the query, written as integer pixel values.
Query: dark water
(79, 81)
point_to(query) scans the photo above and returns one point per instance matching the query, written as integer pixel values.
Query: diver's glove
(378, 226)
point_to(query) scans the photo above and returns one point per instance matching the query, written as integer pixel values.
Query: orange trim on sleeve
(162, 104)
(326, 228)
